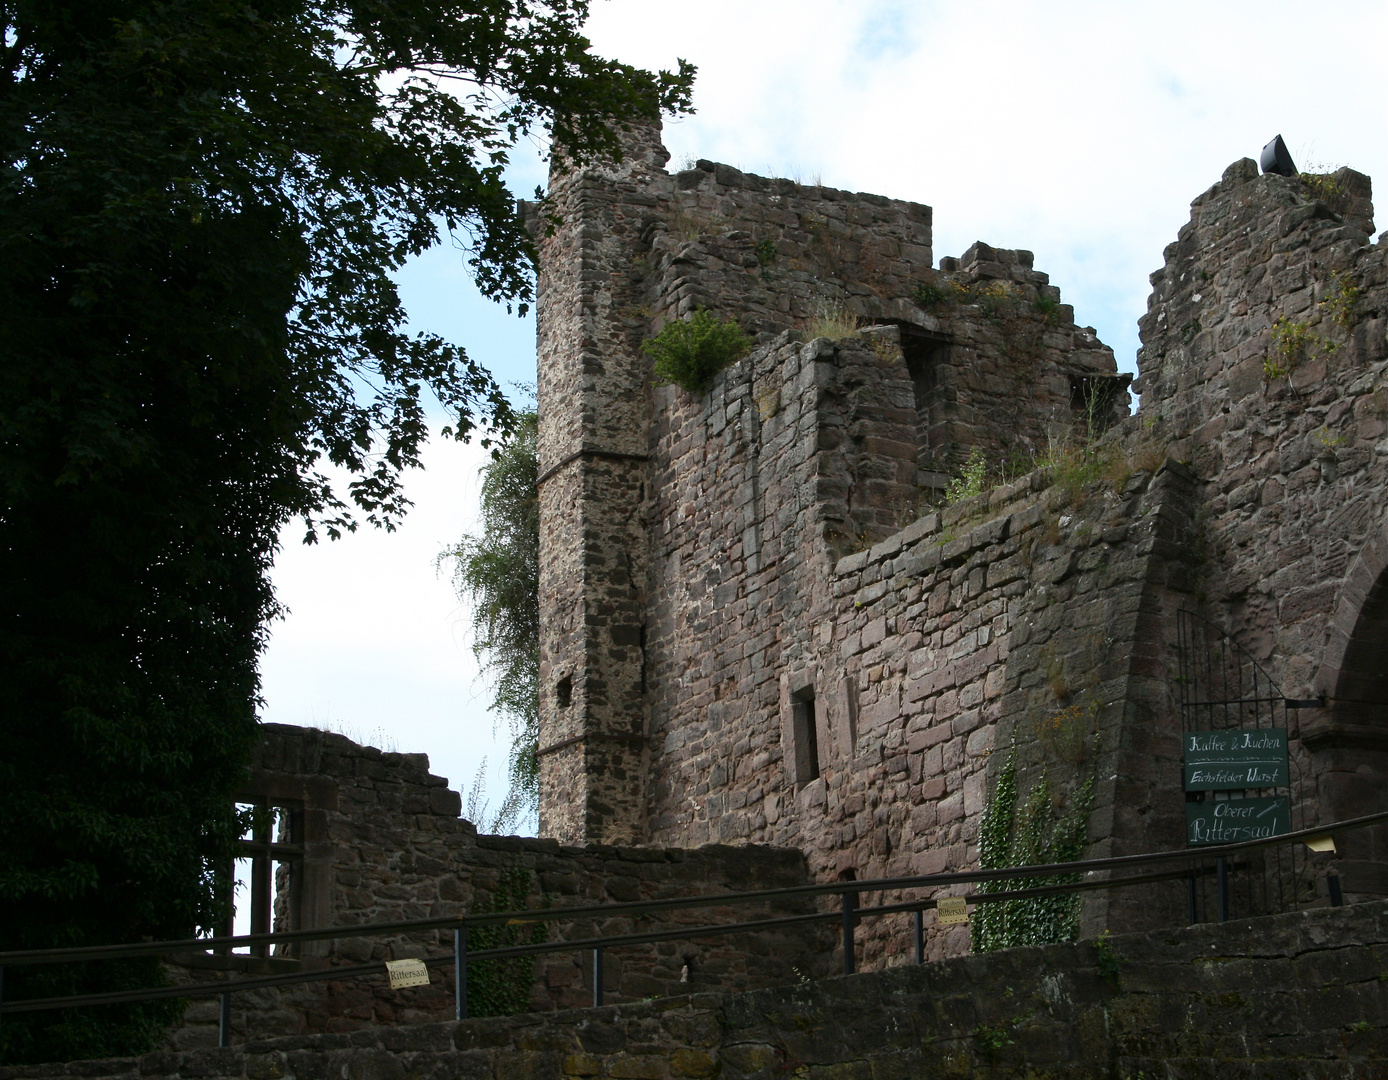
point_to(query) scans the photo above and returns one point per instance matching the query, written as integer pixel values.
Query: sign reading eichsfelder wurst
(1235, 820)
(1239, 758)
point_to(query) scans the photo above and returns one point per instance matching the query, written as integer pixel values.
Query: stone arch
(1362, 601)
(1348, 740)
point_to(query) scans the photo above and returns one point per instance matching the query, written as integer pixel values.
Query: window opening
(564, 691)
(805, 737)
(927, 359)
(267, 875)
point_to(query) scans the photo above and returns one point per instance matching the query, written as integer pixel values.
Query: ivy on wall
(502, 987)
(1035, 832)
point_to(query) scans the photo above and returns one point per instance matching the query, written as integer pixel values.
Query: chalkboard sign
(1235, 759)
(1234, 820)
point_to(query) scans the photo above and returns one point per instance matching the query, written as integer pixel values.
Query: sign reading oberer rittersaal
(1232, 821)
(1235, 759)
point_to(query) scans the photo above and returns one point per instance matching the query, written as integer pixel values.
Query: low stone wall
(1302, 995)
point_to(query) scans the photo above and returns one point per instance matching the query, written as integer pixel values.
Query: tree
(498, 573)
(201, 205)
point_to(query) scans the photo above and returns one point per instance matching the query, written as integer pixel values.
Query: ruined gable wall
(1264, 363)
(385, 843)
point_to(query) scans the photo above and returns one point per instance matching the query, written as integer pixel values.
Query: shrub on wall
(688, 353)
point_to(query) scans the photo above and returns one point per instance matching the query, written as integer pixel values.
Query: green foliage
(972, 478)
(1032, 834)
(1292, 342)
(1108, 961)
(766, 251)
(833, 321)
(1048, 308)
(1340, 299)
(201, 209)
(502, 987)
(989, 1041)
(690, 352)
(928, 295)
(1325, 187)
(498, 573)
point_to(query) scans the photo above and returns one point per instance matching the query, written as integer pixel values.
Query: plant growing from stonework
(1340, 299)
(1048, 308)
(927, 295)
(1029, 831)
(1292, 342)
(498, 574)
(1325, 187)
(833, 321)
(971, 480)
(688, 353)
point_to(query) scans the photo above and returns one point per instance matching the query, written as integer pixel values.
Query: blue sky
(1078, 130)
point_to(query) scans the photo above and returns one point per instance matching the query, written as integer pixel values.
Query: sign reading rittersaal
(1233, 821)
(1235, 759)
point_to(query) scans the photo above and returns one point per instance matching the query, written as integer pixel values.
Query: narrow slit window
(805, 736)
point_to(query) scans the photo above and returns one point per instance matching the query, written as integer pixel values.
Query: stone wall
(384, 842)
(1296, 995)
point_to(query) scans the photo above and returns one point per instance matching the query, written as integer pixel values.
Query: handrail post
(920, 935)
(850, 902)
(460, 972)
(1222, 871)
(224, 1021)
(597, 977)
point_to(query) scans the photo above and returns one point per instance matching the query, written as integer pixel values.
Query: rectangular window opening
(266, 876)
(805, 736)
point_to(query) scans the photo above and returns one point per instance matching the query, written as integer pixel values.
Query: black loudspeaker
(1276, 159)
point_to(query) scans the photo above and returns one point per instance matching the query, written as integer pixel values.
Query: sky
(1079, 131)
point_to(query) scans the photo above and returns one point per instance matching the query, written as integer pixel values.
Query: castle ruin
(761, 621)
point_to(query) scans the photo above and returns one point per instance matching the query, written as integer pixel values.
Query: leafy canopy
(201, 206)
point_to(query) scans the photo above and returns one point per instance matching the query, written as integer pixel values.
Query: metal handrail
(643, 907)
(847, 890)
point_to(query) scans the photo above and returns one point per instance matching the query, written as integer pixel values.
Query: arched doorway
(1348, 741)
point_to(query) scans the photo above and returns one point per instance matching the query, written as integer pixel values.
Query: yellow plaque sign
(405, 973)
(951, 910)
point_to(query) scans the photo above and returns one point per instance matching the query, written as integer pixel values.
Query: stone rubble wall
(1301, 995)
(386, 843)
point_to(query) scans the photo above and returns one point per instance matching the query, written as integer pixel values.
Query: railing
(848, 915)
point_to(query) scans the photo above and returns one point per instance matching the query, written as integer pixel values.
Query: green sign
(1234, 820)
(1235, 759)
